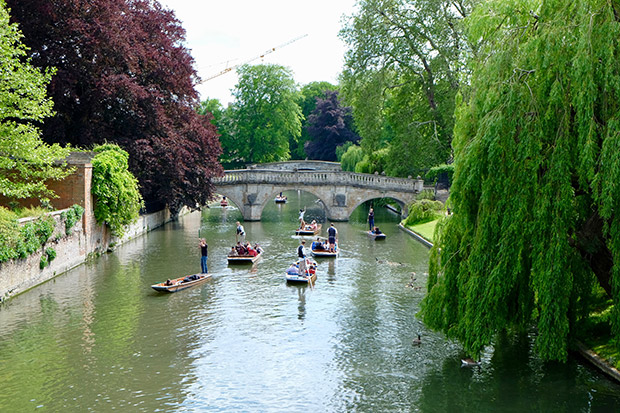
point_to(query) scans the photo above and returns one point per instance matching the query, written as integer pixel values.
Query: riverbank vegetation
(534, 234)
(123, 75)
(26, 162)
(20, 241)
(117, 198)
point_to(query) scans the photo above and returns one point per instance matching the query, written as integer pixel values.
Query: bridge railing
(279, 177)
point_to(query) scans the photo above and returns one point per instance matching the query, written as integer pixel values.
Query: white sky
(236, 31)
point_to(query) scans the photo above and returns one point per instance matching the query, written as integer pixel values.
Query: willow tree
(537, 165)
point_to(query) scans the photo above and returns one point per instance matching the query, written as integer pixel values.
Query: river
(98, 338)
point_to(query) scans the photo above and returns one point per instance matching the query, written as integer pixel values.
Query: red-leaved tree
(329, 125)
(124, 76)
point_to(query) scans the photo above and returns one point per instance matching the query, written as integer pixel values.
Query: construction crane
(273, 49)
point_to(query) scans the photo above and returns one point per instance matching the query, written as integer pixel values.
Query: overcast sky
(224, 33)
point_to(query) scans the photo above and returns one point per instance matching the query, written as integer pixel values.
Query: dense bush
(117, 199)
(439, 171)
(9, 234)
(71, 216)
(423, 211)
(51, 254)
(20, 242)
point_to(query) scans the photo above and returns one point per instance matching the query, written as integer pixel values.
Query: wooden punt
(300, 279)
(243, 259)
(307, 231)
(303, 279)
(377, 237)
(178, 284)
(323, 252)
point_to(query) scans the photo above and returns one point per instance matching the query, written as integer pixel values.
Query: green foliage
(9, 234)
(117, 199)
(535, 192)
(43, 262)
(29, 240)
(44, 226)
(439, 170)
(402, 72)
(51, 254)
(375, 162)
(423, 211)
(342, 149)
(351, 157)
(25, 161)
(265, 114)
(71, 216)
(426, 194)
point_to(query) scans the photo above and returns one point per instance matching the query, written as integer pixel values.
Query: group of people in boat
(245, 250)
(319, 245)
(313, 226)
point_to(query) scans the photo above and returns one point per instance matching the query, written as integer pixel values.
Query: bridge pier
(341, 192)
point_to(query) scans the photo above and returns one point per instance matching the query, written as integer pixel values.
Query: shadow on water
(99, 338)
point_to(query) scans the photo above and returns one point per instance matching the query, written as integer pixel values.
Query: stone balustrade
(340, 178)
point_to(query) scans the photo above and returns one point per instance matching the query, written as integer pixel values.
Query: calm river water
(98, 338)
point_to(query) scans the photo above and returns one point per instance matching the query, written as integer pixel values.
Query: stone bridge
(341, 192)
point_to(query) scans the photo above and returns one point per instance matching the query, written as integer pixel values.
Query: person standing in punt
(332, 237)
(302, 258)
(204, 255)
(302, 223)
(371, 219)
(240, 237)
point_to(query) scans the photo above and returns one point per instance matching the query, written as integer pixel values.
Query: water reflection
(98, 338)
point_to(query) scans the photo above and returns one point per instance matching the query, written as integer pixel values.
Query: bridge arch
(402, 203)
(340, 192)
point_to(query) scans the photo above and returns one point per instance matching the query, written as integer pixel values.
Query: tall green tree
(537, 164)
(402, 72)
(265, 113)
(25, 161)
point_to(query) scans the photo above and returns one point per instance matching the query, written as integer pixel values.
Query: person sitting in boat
(313, 225)
(251, 251)
(258, 248)
(233, 252)
(293, 269)
(318, 245)
(191, 278)
(168, 282)
(240, 249)
(376, 231)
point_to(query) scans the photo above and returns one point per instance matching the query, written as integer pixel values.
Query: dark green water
(98, 338)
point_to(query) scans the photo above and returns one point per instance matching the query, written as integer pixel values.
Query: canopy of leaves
(307, 103)
(329, 126)
(537, 163)
(351, 157)
(265, 113)
(25, 161)
(401, 76)
(117, 198)
(124, 76)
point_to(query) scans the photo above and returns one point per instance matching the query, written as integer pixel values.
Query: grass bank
(425, 230)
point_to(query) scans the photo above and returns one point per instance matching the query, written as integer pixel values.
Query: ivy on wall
(18, 242)
(117, 198)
